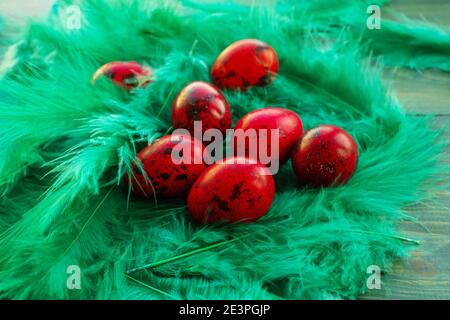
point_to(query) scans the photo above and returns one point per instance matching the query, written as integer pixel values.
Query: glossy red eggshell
(201, 101)
(128, 75)
(232, 192)
(244, 64)
(325, 156)
(288, 122)
(167, 178)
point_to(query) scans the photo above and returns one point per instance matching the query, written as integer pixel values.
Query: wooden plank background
(427, 274)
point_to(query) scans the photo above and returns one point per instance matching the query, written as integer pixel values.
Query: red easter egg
(168, 177)
(233, 190)
(325, 156)
(244, 64)
(201, 101)
(286, 121)
(128, 75)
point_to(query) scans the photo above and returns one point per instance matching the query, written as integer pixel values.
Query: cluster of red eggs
(234, 189)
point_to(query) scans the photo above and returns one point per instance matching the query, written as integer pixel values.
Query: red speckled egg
(244, 64)
(233, 190)
(168, 178)
(290, 131)
(201, 101)
(128, 75)
(325, 156)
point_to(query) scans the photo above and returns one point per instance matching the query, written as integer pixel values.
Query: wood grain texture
(426, 275)
(22, 9)
(421, 92)
(427, 91)
(434, 11)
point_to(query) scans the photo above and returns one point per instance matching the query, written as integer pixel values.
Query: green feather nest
(66, 145)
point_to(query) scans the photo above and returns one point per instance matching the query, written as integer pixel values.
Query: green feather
(406, 43)
(66, 145)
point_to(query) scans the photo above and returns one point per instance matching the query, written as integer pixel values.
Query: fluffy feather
(66, 144)
(407, 43)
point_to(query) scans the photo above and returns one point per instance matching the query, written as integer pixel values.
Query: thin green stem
(166, 102)
(150, 287)
(185, 255)
(85, 225)
(388, 235)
